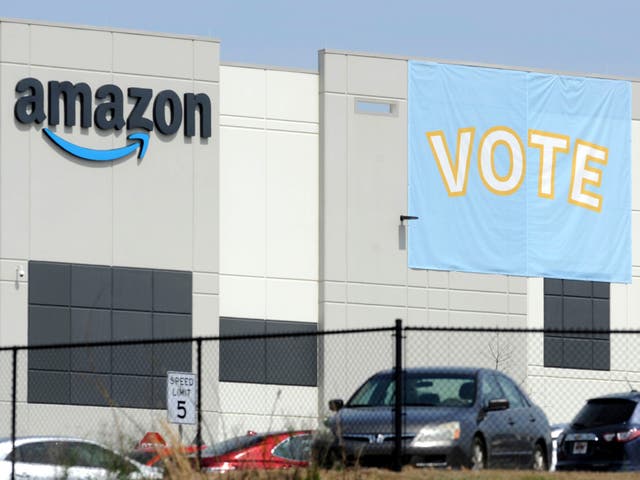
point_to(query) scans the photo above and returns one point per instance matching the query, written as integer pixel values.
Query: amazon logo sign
(167, 112)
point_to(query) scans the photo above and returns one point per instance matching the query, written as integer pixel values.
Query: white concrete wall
(158, 212)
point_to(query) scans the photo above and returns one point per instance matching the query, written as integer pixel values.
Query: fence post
(14, 383)
(199, 393)
(397, 420)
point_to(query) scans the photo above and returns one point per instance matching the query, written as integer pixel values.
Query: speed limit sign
(181, 397)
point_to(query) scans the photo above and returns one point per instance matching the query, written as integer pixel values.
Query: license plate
(580, 448)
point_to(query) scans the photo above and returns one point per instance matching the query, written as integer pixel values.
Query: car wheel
(539, 459)
(478, 454)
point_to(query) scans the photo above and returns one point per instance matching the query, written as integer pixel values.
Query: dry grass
(406, 474)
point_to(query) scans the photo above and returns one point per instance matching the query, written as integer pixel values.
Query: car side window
(511, 392)
(36, 452)
(490, 389)
(296, 448)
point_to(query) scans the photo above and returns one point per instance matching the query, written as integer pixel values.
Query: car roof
(631, 395)
(5, 442)
(439, 370)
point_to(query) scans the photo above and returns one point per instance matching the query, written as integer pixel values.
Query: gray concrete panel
(553, 351)
(132, 289)
(90, 325)
(171, 356)
(601, 290)
(293, 360)
(90, 389)
(49, 325)
(159, 386)
(242, 360)
(552, 286)
(577, 353)
(132, 359)
(577, 314)
(132, 391)
(552, 312)
(49, 283)
(376, 196)
(601, 355)
(172, 291)
(48, 387)
(577, 288)
(91, 286)
(333, 187)
(379, 77)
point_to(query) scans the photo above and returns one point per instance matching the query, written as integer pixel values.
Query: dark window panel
(49, 325)
(172, 291)
(552, 286)
(553, 349)
(132, 391)
(577, 315)
(553, 313)
(242, 360)
(132, 289)
(291, 360)
(88, 325)
(601, 355)
(159, 385)
(132, 359)
(578, 353)
(174, 356)
(49, 283)
(577, 288)
(90, 389)
(601, 290)
(91, 286)
(601, 320)
(48, 387)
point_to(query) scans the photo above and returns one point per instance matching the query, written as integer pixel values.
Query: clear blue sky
(581, 36)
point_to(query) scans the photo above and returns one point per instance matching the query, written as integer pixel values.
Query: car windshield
(604, 411)
(232, 444)
(420, 389)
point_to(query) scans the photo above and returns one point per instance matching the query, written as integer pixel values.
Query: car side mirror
(497, 404)
(336, 404)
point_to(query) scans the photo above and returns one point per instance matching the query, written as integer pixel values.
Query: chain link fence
(117, 392)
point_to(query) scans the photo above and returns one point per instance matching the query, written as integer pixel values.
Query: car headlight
(437, 434)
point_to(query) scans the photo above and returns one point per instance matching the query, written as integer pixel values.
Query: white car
(69, 458)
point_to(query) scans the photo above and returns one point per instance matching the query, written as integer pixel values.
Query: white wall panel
(15, 184)
(13, 314)
(71, 208)
(152, 198)
(292, 300)
(148, 55)
(243, 297)
(242, 91)
(14, 43)
(292, 205)
(292, 96)
(73, 48)
(242, 201)
(378, 77)
(206, 192)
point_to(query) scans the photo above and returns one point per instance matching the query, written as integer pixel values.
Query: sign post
(181, 398)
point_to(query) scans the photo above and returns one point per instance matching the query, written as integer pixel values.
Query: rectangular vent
(373, 107)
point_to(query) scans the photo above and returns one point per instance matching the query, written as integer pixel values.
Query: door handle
(532, 419)
(511, 422)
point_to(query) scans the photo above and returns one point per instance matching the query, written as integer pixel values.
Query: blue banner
(519, 173)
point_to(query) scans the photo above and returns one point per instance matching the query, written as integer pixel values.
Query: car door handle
(511, 422)
(532, 419)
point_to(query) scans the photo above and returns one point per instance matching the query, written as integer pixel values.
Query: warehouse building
(148, 195)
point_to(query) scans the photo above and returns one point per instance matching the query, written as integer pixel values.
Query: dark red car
(273, 450)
